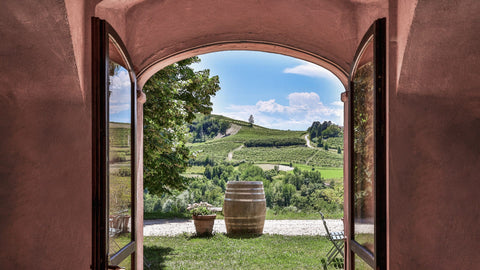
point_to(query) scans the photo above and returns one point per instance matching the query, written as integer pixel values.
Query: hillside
(264, 145)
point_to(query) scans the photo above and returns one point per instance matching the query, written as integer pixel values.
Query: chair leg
(332, 249)
(332, 256)
(339, 247)
(333, 252)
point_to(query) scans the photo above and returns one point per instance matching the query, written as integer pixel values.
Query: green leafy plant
(200, 209)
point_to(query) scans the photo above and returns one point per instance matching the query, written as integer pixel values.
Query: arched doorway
(285, 28)
(251, 46)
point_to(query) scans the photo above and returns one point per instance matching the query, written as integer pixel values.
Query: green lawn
(222, 252)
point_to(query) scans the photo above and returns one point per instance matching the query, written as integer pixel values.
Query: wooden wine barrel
(244, 207)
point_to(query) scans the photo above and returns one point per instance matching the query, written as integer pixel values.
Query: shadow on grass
(232, 236)
(336, 263)
(243, 236)
(154, 257)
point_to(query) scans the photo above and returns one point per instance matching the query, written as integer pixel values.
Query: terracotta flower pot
(204, 224)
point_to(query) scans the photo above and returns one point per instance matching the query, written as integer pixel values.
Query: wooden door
(114, 150)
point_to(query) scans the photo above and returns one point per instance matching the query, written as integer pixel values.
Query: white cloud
(311, 70)
(302, 110)
(337, 103)
(120, 96)
(270, 106)
(303, 100)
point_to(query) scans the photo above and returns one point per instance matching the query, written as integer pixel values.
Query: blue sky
(279, 91)
(120, 97)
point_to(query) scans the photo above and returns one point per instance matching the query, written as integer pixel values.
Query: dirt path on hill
(232, 130)
(309, 145)
(230, 154)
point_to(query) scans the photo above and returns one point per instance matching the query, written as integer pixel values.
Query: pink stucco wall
(45, 141)
(434, 152)
(433, 110)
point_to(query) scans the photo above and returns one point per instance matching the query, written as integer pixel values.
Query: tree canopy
(174, 95)
(325, 130)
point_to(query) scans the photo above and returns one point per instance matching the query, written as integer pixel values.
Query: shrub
(151, 202)
(290, 208)
(167, 206)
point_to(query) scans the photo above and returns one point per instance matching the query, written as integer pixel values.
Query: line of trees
(304, 191)
(272, 142)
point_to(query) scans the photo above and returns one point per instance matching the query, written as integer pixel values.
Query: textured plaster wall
(45, 138)
(45, 161)
(434, 206)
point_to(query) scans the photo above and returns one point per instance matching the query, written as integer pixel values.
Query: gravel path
(170, 227)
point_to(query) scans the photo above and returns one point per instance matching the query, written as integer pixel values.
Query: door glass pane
(361, 264)
(127, 263)
(120, 153)
(363, 149)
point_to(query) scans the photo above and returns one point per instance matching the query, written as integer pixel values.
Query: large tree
(174, 95)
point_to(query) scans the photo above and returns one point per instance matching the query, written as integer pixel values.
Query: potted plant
(203, 217)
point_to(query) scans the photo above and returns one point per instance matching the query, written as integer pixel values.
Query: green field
(327, 172)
